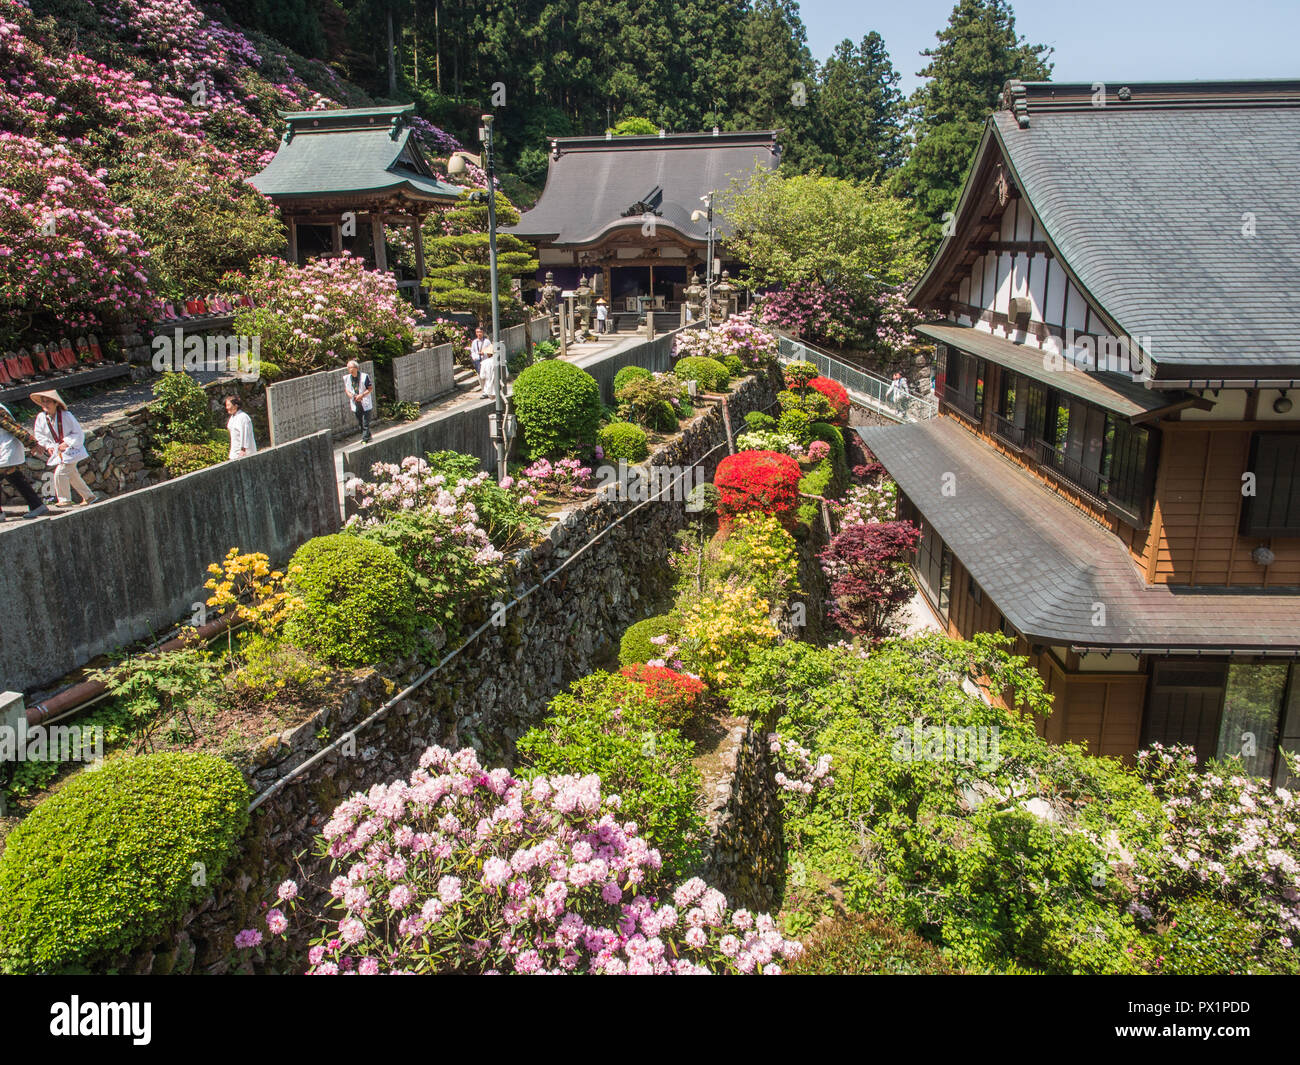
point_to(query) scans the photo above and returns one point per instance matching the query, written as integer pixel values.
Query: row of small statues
(584, 296)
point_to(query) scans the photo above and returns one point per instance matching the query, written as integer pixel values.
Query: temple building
(1113, 479)
(618, 210)
(339, 176)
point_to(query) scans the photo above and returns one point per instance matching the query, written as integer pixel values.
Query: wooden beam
(293, 241)
(377, 238)
(419, 250)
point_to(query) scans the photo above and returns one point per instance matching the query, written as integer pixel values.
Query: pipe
(86, 692)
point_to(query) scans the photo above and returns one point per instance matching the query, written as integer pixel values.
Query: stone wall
(745, 854)
(561, 624)
(423, 375)
(98, 578)
(301, 406)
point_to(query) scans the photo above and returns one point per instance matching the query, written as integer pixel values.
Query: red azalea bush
(867, 567)
(836, 394)
(757, 480)
(680, 696)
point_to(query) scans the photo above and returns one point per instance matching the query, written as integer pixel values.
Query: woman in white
(240, 427)
(488, 371)
(61, 435)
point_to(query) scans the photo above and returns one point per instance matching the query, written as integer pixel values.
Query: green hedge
(734, 366)
(115, 856)
(558, 407)
(757, 421)
(358, 601)
(629, 374)
(636, 646)
(623, 440)
(709, 374)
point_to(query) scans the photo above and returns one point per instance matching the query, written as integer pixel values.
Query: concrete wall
(539, 329)
(655, 355)
(88, 581)
(464, 429)
(424, 374)
(306, 405)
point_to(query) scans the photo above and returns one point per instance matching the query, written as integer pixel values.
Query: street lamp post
(707, 200)
(500, 427)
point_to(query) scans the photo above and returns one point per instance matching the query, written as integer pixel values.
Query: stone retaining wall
(487, 696)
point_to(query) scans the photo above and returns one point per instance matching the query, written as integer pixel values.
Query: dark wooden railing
(1008, 431)
(1057, 464)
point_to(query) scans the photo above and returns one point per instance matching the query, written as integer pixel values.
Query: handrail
(864, 383)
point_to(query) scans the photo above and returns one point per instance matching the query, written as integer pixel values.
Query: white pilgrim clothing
(363, 383)
(62, 427)
(241, 435)
(488, 371)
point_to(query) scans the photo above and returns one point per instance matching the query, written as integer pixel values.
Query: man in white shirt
(361, 396)
(478, 347)
(602, 314)
(240, 427)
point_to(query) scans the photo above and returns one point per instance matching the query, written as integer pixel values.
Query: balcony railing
(962, 403)
(1009, 432)
(1057, 464)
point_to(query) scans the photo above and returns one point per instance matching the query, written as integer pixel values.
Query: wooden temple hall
(619, 211)
(340, 176)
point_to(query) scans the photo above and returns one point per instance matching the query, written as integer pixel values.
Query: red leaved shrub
(680, 697)
(867, 567)
(836, 393)
(757, 480)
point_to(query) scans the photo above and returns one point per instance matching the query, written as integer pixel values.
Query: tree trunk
(392, 52)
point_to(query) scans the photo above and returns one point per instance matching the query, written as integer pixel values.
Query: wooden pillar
(419, 250)
(293, 240)
(652, 284)
(336, 237)
(377, 237)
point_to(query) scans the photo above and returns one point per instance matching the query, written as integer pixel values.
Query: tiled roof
(1148, 205)
(349, 151)
(1047, 567)
(595, 183)
(1111, 391)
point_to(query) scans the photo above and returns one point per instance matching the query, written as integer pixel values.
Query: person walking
(602, 314)
(12, 456)
(360, 388)
(476, 347)
(240, 427)
(64, 441)
(488, 372)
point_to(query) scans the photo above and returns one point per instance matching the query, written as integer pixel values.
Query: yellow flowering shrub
(761, 552)
(720, 632)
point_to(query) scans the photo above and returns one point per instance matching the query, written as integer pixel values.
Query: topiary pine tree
(458, 261)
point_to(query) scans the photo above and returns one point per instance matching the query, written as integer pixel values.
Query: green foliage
(636, 646)
(273, 668)
(858, 945)
(623, 440)
(558, 407)
(163, 688)
(758, 421)
(860, 112)
(832, 435)
(635, 127)
(180, 413)
(946, 842)
(627, 375)
(508, 524)
(357, 601)
(549, 349)
(607, 724)
(399, 412)
(181, 458)
(797, 423)
(458, 259)
(652, 401)
(709, 374)
(114, 856)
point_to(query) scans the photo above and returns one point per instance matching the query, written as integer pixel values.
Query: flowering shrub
(655, 401)
(720, 632)
(461, 869)
(320, 315)
(563, 477)
(799, 774)
(797, 374)
(757, 480)
(836, 395)
(818, 450)
(823, 313)
(1230, 836)
(738, 336)
(679, 696)
(769, 440)
(868, 504)
(759, 552)
(868, 570)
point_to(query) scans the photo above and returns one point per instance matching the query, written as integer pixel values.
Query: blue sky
(1095, 40)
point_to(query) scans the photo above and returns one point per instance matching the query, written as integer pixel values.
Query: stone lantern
(726, 295)
(549, 295)
(584, 301)
(694, 294)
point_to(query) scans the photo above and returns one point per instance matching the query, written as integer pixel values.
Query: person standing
(488, 372)
(476, 348)
(64, 441)
(12, 456)
(240, 427)
(360, 388)
(602, 314)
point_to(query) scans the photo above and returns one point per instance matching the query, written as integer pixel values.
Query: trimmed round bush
(109, 860)
(629, 374)
(636, 647)
(703, 500)
(709, 374)
(757, 480)
(558, 407)
(623, 440)
(757, 421)
(836, 395)
(734, 366)
(358, 601)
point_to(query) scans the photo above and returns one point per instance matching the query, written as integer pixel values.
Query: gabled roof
(350, 152)
(1145, 199)
(594, 185)
(1047, 567)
